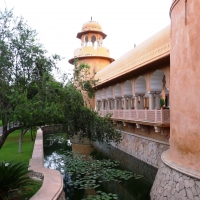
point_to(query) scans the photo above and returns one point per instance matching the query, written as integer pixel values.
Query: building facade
(152, 91)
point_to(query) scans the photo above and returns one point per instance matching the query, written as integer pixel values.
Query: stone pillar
(129, 103)
(124, 103)
(108, 108)
(101, 105)
(132, 102)
(157, 101)
(111, 104)
(107, 102)
(115, 104)
(136, 102)
(141, 102)
(120, 104)
(152, 104)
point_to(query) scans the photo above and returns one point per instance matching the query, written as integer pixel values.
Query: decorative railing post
(156, 115)
(145, 112)
(162, 115)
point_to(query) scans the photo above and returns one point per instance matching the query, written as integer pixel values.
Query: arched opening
(156, 81)
(158, 98)
(127, 89)
(140, 90)
(118, 96)
(110, 98)
(110, 93)
(86, 40)
(140, 85)
(93, 39)
(98, 100)
(103, 95)
(128, 95)
(118, 91)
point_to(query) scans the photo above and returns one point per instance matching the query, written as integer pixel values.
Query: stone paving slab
(52, 186)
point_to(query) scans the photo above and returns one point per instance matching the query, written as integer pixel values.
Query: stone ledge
(180, 168)
(146, 138)
(52, 186)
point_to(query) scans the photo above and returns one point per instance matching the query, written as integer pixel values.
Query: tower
(91, 52)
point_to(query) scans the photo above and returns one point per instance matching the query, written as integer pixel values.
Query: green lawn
(0, 123)
(9, 152)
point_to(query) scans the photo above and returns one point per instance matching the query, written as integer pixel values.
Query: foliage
(162, 102)
(25, 76)
(13, 179)
(84, 82)
(35, 185)
(86, 123)
(9, 151)
(31, 97)
(102, 196)
(87, 173)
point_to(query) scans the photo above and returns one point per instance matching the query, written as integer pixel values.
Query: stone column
(124, 103)
(152, 104)
(129, 103)
(157, 103)
(119, 104)
(115, 104)
(101, 105)
(136, 102)
(108, 108)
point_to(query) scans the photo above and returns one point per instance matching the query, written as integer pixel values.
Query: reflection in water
(55, 146)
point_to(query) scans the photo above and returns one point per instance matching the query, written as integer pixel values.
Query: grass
(0, 123)
(9, 152)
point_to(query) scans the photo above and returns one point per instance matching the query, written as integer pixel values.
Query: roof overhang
(90, 31)
(71, 61)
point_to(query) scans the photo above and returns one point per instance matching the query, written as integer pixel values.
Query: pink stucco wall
(185, 84)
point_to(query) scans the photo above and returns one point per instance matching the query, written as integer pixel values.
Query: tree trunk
(6, 133)
(20, 139)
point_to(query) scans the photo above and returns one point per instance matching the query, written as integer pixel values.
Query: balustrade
(154, 116)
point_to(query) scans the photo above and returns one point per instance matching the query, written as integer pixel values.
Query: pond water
(55, 146)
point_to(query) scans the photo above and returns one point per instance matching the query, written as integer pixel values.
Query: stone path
(52, 187)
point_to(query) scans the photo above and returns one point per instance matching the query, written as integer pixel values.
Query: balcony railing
(153, 116)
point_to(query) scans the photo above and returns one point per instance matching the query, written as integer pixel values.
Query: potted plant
(162, 102)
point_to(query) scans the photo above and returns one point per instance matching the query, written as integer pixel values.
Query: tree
(29, 94)
(24, 70)
(84, 121)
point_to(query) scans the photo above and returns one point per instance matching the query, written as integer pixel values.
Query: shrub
(162, 102)
(13, 179)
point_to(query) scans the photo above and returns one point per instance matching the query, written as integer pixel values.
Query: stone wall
(145, 149)
(173, 185)
(129, 162)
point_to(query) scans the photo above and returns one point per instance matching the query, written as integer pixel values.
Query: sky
(126, 22)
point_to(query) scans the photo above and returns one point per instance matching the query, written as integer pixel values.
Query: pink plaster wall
(185, 84)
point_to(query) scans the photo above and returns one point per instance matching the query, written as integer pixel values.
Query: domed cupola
(91, 51)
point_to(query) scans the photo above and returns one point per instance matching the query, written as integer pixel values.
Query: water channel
(55, 146)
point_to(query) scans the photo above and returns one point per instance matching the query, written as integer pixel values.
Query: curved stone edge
(187, 171)
(52, 187)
